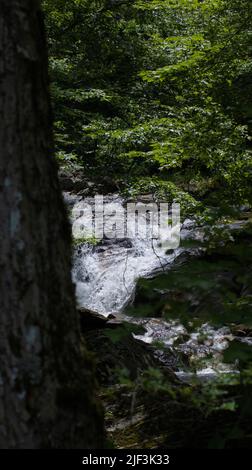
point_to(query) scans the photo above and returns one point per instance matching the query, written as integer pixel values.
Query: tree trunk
(46, 382)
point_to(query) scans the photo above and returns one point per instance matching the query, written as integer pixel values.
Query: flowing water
(106, 276)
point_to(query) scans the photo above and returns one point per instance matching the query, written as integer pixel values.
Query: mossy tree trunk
(46, 381)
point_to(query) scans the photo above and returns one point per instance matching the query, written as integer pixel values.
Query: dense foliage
(155, 96)
(154, 88)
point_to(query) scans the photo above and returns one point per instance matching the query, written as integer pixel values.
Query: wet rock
(122, 242)
(90, 189)
(241, 330)
(125, 243)
(80, 184)
(70, 199)
(91, 319)
(110, 185)
(143, 198)
(115, 323)
(100, 249)
(85, 192)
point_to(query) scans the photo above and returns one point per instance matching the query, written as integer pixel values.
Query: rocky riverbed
(160, 325)
(106, 274)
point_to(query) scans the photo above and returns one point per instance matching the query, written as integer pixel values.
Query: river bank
(160, 326)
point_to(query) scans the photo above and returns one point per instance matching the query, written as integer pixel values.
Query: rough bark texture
(46, 384)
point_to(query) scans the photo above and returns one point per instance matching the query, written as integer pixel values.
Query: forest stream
(107, 274)
(126, 228)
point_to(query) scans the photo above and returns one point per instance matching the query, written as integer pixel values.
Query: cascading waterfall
(106, 274)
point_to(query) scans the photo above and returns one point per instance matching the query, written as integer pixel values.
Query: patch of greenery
(155, 90)
(156, 96)
(82, 240)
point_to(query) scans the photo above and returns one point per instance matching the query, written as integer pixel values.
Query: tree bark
(46, 381)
